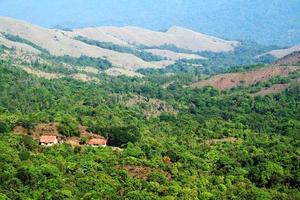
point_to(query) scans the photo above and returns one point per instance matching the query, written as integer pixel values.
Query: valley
(131, 113)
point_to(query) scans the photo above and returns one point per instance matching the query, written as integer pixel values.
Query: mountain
(121, 46)
(269, 22)
(280, 53)
(177, 36)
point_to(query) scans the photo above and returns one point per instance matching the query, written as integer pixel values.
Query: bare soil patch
(141, 172)
(52, 129)
(291, 59)
(217, 141)
(152, 107)
(230, 80)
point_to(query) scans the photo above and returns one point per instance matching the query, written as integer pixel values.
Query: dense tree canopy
(218, 145)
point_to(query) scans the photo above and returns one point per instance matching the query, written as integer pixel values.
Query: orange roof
(47, 139)
(97, 141)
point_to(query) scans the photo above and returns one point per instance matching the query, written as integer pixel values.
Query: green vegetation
(243, 68)
(99, 63)
(180, 66)
(144, 55)
(16, 38)
(170, 47)
(168, 157)
(2, 48)
(69, 127)
(244, 54)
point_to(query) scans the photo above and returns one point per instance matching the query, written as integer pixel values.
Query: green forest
(184, 155)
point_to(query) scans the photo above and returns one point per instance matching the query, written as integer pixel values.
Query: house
(48, 140)
(97, 142)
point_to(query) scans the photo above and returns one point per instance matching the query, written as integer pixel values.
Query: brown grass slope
(291, 59)
(230, 80)
(279, 53)
(59, 43)
(180, 37)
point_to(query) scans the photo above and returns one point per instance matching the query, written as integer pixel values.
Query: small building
(97, 142)
(48, 140)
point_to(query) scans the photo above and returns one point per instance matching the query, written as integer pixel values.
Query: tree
(69, 127)
(4, 127)
(120, 136)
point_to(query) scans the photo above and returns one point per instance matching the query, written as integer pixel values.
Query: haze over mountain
(264, 21)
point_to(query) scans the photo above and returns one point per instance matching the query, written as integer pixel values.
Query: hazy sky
(266, 21)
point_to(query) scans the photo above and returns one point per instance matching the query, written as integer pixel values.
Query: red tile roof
(47, 139)
(97, 141)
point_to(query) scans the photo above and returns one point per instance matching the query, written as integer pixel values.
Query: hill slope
(60, 43)
(230, 80)
(279, 53)
(177, 36)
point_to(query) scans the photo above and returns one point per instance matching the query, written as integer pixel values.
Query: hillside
(290, 59)
(177, 36)
(280, 53)
(159, 139)
(230, 80)
(119, 46)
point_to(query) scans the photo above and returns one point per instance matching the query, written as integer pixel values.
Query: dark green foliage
(28, 143)
(144, 55)
(83, 140)
(170, 47)
(99, 63)
(243, 68)
(244, 54)
(2, 48)
(180, 66)
(24, 155)
(120, 136)
(69, 127)
(5, 127)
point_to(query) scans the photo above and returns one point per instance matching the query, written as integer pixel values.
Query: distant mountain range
(124, 49)
(268, 22)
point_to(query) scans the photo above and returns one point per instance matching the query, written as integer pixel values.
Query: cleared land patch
(230, 80)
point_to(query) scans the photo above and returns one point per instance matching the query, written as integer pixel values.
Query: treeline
(16, 38)
(246, 53)
(144, 55)
(99, 63)
(83, 60)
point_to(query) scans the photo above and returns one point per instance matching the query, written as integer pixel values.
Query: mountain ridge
(60, 43)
